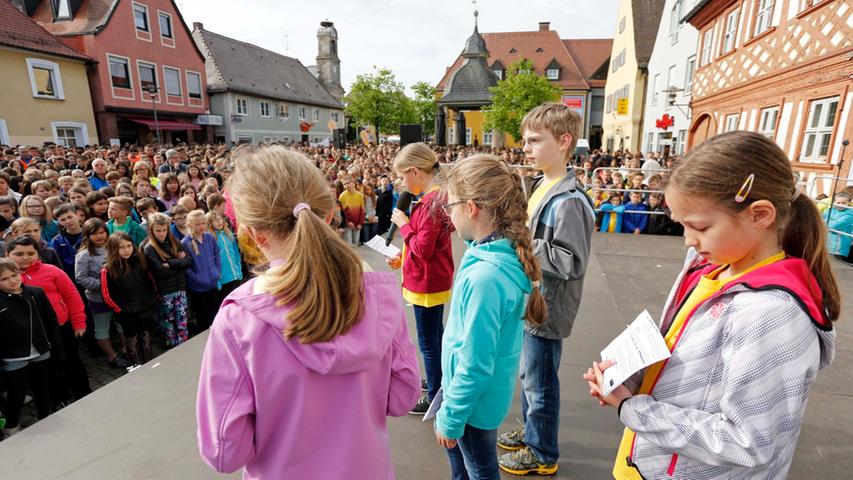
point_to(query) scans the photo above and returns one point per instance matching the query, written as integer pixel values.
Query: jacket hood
(355, 351)
(501, 254)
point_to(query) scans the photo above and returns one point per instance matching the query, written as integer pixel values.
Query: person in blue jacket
(203, 274)
(840, 219)
(70, 236)
(493, 293)
(231, 274)
(635, 222)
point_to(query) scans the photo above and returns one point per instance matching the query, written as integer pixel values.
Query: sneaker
(512, 440)
(119, 362)
(424, 387)
(421, 407)
(523, 462)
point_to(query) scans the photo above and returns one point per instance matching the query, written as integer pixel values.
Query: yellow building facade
(625, 91)
(44, 98)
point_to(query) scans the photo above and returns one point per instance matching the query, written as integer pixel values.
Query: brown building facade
(782, 68)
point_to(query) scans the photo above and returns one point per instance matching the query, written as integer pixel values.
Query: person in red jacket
(427, 258)
(69, 374)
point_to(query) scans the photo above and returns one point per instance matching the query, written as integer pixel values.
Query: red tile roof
(92, 15)
(20, 31)
(590, 54)
(540, 47)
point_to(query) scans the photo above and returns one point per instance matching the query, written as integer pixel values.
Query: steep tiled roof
(590, 54)
(526, 45)
(232, 65)
(20, 31)
(92, 15)
(646, 15)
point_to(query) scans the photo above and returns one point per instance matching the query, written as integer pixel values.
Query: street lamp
(152, 90)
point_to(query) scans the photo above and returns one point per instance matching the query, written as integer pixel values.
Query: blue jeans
(540, 399)
(429, 322)
(474, 457)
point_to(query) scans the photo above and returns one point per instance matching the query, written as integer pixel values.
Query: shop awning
(164, 124)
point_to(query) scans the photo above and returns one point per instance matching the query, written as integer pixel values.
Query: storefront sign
(209, 120)
(575, 102)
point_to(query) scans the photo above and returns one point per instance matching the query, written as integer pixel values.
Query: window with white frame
(193, 85)
(688, 74)
(675, 21)
(655, 81)
(69, 134)
(682, 136)
(140, 17)
(147, 75)
(622, 23)
(242, 106)
(66, 137)
(731, 122)
(61, 10)
(767, 122)
(451, 135)
(730, 33)
(265, 109)
(650, 146)
(165, 25)
(45, 79)
(303, 113)
(499, 73)
(467, 136)
(119, 72)
(283, 111)
(488, 135)
(764, 16)
(818, 133)
(707, 46)
(670, 76)
(315, 115)
(336, 116)
(553, 73)
(173, 81)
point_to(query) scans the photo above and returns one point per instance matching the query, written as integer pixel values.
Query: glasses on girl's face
(448, 207)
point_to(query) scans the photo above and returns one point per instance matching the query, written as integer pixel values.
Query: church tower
(328, 63)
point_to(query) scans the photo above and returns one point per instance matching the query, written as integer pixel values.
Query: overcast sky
(416, 39)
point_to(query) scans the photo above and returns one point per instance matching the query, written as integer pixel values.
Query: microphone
(403, 203)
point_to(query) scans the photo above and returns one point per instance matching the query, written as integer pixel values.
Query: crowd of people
(119, 247)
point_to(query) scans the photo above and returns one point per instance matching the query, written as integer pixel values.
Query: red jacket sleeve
(422, 232)
(76, 309)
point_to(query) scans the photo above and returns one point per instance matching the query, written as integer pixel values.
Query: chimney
(544, 26)
(198, 26)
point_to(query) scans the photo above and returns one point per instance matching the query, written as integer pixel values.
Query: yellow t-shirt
(538, 195)
(708, 285)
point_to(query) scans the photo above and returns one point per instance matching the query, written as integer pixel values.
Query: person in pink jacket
(303, 363)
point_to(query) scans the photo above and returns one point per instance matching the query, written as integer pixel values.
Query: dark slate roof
(646, 15)
(554, 64)
(241, 67)
(20, 31)
(469, 85)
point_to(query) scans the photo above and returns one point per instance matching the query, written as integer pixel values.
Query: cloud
(417, 40)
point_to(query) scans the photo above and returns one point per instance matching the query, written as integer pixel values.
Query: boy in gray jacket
(561, 218)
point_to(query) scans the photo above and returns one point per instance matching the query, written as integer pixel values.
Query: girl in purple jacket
(287, 346)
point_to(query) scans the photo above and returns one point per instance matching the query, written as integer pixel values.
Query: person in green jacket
(120, 221)
(494, 291)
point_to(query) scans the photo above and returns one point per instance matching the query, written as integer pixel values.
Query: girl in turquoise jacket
(231, 274)
(493, 293)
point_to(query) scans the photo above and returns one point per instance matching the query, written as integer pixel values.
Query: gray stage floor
(142, 425)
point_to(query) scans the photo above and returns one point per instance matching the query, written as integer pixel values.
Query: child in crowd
(67, 242)
(371, 221)
(481, 345)
(330, 333)
(78, 195)
(635, 222)
(168, 261)
(146, 207)
(87, 271)
(839, 218)
(611, 215)
(758, 294)
(128, 289)
(204, 271)
(169, 190)
(120, 219)
(179, 227)
(98, 203)
(352, 203)
(659, 221)
(29, 227)
(8, 212)
(68, 376)
(29, 337)
(635, 182)
(34, 207)
(231, 273)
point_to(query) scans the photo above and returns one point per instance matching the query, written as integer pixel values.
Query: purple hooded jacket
(287, 410)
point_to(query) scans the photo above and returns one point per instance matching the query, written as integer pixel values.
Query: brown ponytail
(717, 169)
(493, 187)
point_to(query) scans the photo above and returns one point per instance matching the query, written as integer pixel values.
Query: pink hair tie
(299, 208)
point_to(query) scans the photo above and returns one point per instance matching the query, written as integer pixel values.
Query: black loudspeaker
(412, 133)
(339, 138)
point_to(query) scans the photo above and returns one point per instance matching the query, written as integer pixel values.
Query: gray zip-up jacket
(87, 272)
(562, 227)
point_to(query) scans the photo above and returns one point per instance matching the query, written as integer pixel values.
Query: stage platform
(142, 426)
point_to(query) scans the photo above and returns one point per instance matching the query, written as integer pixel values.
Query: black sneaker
(119, 362)
(421, 407)
(424, 387)
(512, 440)
(524, 462)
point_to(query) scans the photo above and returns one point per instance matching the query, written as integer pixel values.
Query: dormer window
(61, 10)
(553, 73)
(539, 50)
(499, 73)
(512, 50)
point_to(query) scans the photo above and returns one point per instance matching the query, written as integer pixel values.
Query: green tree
(512, 98)
(425, 106)
(378, 99)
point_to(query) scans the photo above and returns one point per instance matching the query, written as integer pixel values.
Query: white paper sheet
(378, 243)
(640, 345)
(435, 405)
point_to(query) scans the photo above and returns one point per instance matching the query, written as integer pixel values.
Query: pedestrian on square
(168, 261)
(426, 259)
(481, 346)
(314, 346)
(758, 294)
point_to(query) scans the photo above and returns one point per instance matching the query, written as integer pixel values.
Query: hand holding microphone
(398, 216)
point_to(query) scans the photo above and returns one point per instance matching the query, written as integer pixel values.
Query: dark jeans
(368, 231)
(37, 375)
(429, 322)
(68, 375)
(205, 305)
(474, 457)
(540, 399)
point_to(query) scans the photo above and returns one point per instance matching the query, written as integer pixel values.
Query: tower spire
(476, 14)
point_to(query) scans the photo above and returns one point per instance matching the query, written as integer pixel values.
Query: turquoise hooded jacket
(481, 345)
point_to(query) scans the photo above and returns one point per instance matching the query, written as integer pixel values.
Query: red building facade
(137, 44)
